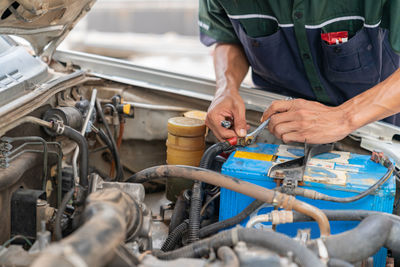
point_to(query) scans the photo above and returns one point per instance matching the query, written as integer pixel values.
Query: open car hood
(44, 23)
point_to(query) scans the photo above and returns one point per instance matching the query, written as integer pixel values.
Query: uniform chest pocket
(351, 62)
(271, 58)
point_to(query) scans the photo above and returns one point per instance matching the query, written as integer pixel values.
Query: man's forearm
(231, 67)
(377, 103)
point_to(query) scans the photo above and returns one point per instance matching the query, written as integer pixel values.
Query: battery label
(255, 156)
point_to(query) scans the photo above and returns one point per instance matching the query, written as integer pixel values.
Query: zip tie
(322, 251)
(235, 236)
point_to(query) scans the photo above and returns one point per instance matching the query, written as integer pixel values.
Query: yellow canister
(185, 146)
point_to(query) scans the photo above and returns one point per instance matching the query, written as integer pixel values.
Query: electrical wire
(57, 225)
(12, 239)
(203, 209)
(119, 175)
(308, 193)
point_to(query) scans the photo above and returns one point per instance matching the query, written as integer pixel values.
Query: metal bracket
(24, 212)
(292, 171)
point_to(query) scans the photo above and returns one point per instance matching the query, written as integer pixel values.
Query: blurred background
(161, 34)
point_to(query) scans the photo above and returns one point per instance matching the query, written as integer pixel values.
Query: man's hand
(230, 66)
(307, 121)
(227, 105)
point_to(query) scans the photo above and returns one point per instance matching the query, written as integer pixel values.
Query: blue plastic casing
(339, 174)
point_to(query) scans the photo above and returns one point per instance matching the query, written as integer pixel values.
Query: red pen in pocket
(332, 38)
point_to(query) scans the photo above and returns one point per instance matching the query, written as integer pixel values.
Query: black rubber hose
(112, 149)
(213, 151)
(276, 242)
(218, 226)
(83, 151)
(119, 176)
(196, 201)
(175, 236)
(363, 241)
(63, 206)
(196, 198)
(179, 213)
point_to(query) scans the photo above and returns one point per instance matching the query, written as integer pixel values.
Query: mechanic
(342, 56)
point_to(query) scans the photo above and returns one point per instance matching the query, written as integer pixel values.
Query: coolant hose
(276, 242)
(84, 154)
(196, 198)
(364, 240)
(234, 184)
(110, 216)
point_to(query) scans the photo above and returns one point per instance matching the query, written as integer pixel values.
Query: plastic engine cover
(340, 174)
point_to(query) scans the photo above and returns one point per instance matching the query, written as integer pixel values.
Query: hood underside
(44, 23)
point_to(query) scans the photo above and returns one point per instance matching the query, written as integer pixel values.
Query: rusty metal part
(21, 172)
(11, 175)
(27, 119)
(110, 216)
(292, 171)
(234, 184)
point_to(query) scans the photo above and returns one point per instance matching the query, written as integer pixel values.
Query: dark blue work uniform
(282, 42)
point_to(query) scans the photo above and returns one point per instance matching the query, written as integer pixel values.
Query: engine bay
(100, 172)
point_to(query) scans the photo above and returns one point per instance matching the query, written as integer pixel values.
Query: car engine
(103, 163)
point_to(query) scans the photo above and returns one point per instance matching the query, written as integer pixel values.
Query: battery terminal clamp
(292, 172)
(250, 138)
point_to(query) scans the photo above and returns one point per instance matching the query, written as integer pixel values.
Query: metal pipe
(45, 154)
(157, 107)
(237, 185)
(258, 219)
(59, 166)
(275, 216)
(83, 131)
(27, 119)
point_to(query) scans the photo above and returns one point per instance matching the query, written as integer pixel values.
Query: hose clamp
(322, 251)
(60, 127)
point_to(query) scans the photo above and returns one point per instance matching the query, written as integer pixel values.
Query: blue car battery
(339, 174)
